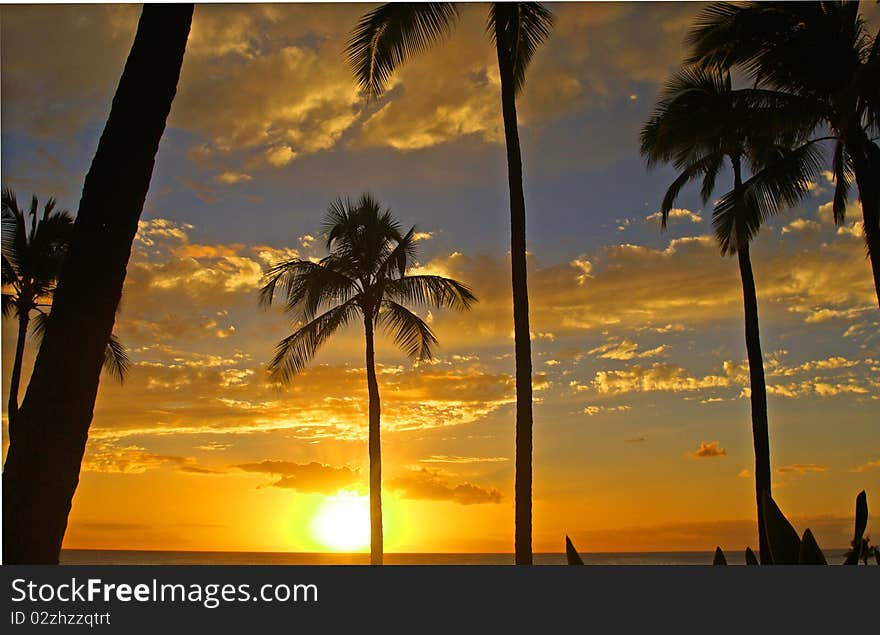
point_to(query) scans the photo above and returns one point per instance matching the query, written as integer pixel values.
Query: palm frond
(400, 258)
(116, 359)
(695, 116)
(39, 323)
(14, 231)
(706, 168)
(431, 291)
(390, 34)
(294, 352)
(411, 334)
(10, 275)
(8, 305)
(306, 286)
(518, 29)
(843, 177)
(739, 214)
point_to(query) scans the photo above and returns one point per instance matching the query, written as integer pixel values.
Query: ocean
(111, 557)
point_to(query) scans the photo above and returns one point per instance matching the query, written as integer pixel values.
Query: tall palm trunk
(43, 463)
(12, 412)
(375, 448)
(521, 334)
(866, 165)
(760, 431)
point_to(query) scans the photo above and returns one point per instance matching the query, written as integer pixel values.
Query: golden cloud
(432, 485)
(801, 468)
(709, 450)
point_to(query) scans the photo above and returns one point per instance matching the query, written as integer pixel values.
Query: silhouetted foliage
(818, 58)
(43, 462)
(385, 38)
(700, 123)
(364, 275)
(787, 548)
(33, 254)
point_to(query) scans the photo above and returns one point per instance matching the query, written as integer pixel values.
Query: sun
(342, 523)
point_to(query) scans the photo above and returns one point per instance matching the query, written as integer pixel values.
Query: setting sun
(342, 523)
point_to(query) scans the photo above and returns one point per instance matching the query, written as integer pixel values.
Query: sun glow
(342, 523)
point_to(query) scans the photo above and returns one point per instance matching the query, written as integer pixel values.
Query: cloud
(709, 450)
(676, 213)
(229, 177)
(801, 468)
(624, 350)
(432, 485)
(265, 84)
(308, 478)
(867, 467)
(619, 288)
(801, 225)
(464, 459)
(595, 410)
(666, 377)
(110, 458)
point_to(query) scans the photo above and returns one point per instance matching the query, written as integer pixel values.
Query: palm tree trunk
(866, 165)
(12, 412)
(758, 388)
(43, 463)
(375, 448)
(521, 333)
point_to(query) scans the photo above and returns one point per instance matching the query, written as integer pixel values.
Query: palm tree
(364, 274)
(384, 39)
(819, 58)
(43, 462)
(31, 262)
(699, 124)
(32, 259)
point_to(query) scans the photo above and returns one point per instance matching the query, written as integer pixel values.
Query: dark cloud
(432, 485)
(308, 478)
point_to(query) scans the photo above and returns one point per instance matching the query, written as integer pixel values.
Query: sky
(642, 429)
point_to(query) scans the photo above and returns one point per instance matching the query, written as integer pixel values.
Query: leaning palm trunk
(866, 166)
(43, 463)
(14, 383)
(375, 449)
(758, 389)
(522, 341)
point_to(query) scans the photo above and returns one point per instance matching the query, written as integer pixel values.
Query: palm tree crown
(701, 121)
(32, 253)
(390, 34)
(364, 274)
(819, 60)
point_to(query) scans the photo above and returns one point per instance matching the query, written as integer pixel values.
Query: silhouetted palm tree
(31, 262)
(821, 60)
(364, 275)
(43, 462)
(32, 259)
(699, 124)
(385, 38)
